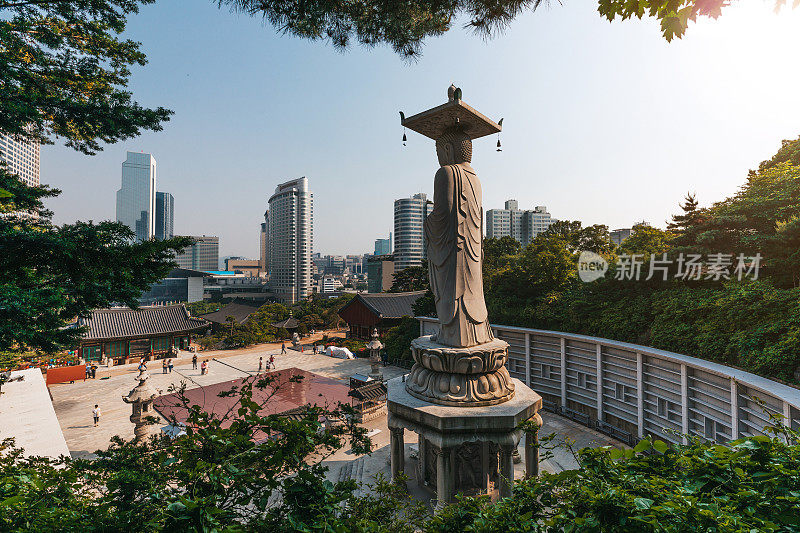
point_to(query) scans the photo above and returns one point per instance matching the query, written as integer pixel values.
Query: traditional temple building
(380, 311)
(239, 311)
(121, 335)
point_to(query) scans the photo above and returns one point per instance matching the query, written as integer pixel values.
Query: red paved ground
(312, 389)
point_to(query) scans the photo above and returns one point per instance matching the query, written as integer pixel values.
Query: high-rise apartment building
(21, 158)
(202, 255)
(165, 215)
(380, 273)
(409, 233)
(521, 225)
(290, 228)
(383, 246)
(136, 199)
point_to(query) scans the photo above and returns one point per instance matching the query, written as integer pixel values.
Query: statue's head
(454, 147)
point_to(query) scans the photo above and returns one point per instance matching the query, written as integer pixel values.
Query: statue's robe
(454, 234)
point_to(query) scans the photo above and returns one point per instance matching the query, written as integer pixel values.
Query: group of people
(91, 370)
(270, 364)
(166, 365)
(315, 348)
(203, 365)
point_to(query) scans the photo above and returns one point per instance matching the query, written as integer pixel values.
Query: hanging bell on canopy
(499, 149)
(404, 138)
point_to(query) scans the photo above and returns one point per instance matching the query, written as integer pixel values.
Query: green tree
(646, 240)
(247, 469)
(759, 219)
(397, 340)
(51, 274)
(747, 485)
(591, 238)
(789, 152)
(406, 25)
(414, 278)
(64, 73)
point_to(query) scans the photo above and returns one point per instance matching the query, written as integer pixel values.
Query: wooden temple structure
(121, 335)
(381, 311)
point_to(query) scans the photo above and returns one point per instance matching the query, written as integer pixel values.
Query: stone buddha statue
(454, 235)
(462, 364)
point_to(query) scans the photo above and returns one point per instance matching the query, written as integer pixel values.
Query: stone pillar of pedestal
(506, 470)
(421, 474)
(398, 457)
(444, 476)
(532, 448)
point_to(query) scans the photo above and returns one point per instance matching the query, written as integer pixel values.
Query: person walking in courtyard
(272, 362)
(142, 366)
(88, 370)
(203, 368)
(96, 414)
(260, 363)
(283, 348)
(170, 365)
(194, 362)
(93, 369)
(163, 366)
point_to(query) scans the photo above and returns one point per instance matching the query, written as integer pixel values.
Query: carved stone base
(468, 377)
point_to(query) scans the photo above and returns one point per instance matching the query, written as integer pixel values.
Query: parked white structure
(630, 391)
(290, 240)
(409, 234)
(521, 225)
(136, 199)
(21, 158)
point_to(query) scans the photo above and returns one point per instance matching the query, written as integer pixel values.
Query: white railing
(630, 391)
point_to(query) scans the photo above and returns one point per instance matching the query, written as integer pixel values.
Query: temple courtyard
(73, 403)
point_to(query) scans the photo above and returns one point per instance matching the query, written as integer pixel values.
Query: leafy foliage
(397, 340)
(404, 26)
(244, 470)
(414, 278)
(748, 324)
(789, 152)
(203, 308)
(51, 274)
(751, 484)
(63, 72)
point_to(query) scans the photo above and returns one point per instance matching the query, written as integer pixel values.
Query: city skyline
(665, 115)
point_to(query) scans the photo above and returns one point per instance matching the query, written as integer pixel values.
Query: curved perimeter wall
(630, 391)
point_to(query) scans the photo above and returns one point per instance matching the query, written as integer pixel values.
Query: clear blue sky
(604, 123)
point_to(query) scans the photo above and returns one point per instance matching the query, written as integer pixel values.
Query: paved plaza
(73, 405)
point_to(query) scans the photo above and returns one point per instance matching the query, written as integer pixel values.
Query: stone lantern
(374, 346)
(141, 399)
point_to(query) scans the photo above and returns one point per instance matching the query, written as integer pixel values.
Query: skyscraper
(409, 235)
(383, 246)
(165, 215)
(136, 199)
(21, 158)
(202, 255)
(521, 225)
(290, 234)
